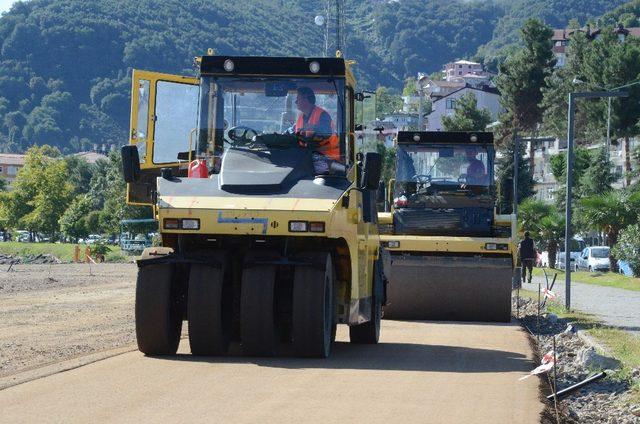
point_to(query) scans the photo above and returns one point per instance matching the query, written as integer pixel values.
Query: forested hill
(65, 64)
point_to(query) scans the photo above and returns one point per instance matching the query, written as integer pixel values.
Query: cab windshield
(440, 168)
(235, 111)
(600, 252)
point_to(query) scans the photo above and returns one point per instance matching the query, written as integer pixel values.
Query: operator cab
(240, 124)
(444, 183)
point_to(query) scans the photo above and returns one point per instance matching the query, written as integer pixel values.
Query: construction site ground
(67, 354)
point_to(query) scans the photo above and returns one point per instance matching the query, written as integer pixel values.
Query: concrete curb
(46, 370)
(582, 334)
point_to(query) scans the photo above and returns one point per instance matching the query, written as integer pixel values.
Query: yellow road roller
(450, 256)
(267, 215)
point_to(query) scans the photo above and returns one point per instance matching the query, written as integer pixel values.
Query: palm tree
(550, 232)
(530, 212)
(610, 213)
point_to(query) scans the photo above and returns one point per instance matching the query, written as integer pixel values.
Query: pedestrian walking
(527, 252)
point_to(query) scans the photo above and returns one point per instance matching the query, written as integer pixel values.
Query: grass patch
(62, 251)
(606, 279)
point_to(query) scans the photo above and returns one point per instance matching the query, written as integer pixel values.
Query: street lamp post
(608, 146)
(567, 228)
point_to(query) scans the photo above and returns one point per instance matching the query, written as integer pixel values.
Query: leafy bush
(628, 247)
(99, 248)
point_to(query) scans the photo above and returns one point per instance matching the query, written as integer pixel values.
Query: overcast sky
(5, 5)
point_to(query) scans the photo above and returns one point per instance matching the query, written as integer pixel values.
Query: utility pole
(516, 165)
(338, 24)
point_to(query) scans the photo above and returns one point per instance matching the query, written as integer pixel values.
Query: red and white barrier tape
(547, 365)
(548, 293)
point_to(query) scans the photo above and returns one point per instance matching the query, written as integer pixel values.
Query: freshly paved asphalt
(420, 372)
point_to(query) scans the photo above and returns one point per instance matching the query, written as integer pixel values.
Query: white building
(461, 68)
(488, 98)
(402, 121)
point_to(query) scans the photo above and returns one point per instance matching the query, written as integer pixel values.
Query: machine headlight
(314, 67)
(298, 226)
(228, 65)
(496, 246)
(393, 244)
(190, 224)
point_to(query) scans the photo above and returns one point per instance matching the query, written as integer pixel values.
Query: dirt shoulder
(54, 312)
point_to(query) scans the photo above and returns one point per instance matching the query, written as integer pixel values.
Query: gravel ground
(605, 401)
(54, 312)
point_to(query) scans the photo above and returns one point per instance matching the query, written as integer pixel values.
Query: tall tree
(109, 190)
(467, 116)
(559, 84)
(581, 163)
(387, 101)
(598, 178)
(41, 192)
(522, 78)
(73, 222)
(610, 63)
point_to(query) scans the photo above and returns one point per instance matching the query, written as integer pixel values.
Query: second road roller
(450, 255)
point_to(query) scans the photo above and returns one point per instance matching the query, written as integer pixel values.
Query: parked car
(93, 238)
(21, 236)
(624, 268)
(577, 246)
(594, 259)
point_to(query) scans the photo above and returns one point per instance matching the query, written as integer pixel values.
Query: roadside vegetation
(62, 251)
(64, 198)
(607, 279)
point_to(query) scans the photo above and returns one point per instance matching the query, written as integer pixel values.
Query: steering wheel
(422, 178)
(241, 134)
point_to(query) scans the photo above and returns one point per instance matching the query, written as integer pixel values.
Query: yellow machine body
(247, 237)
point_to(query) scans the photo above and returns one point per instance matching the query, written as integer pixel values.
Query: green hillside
(65, 65)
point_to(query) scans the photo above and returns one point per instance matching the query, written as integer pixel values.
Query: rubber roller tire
(258, 327)
(158, 316)
(209, 311)
(313, 314)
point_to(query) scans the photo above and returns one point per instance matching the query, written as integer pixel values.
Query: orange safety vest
(331, 145)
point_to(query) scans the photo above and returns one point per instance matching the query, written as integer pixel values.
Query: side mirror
(359, 127)
(358, 97)
(130, 163)
(371, 171)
